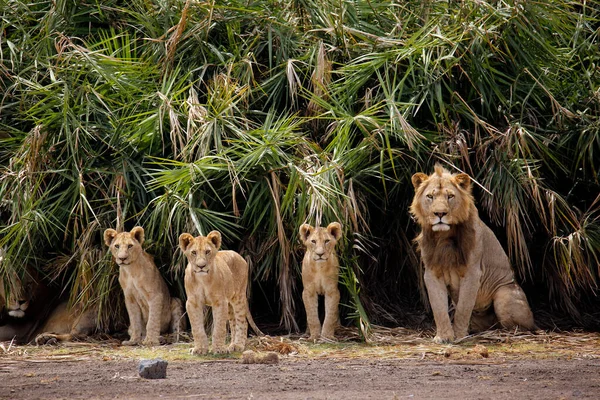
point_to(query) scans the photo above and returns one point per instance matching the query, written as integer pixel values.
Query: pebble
(153, 369)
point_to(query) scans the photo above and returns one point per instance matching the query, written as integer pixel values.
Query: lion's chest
(209, 289)
(451, 278)
(320, 278)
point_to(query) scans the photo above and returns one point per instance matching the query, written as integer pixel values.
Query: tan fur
(61, 324)
(218, 279)
(320, 270)
(252, 357)
(67, 323)
(463, 258)
(151, 309)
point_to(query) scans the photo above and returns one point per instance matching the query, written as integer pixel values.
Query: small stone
(251, 357)
(153, 369)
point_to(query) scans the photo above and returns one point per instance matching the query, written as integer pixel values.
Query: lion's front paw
(199, 351)
(443, 339)
(45, 338)
(130, 342)
(461, 334)
(233, 347)
(328, 334)
(220, 350)
(314, 338)
(150, 342)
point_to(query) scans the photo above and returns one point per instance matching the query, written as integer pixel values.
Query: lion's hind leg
(239, 328)
(178, 322)
(482, 321)
(512, 309)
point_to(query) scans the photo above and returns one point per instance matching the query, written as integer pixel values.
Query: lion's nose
(440, 214)
(319, 252)
(122, 258)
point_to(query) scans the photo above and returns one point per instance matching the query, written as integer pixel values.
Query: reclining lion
(462, 256)
(32, 311)
(151, 309)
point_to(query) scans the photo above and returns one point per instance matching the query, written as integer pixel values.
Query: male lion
(461, 255)
(32, 311)
(320, 270)
(218, 279)
(151, 309)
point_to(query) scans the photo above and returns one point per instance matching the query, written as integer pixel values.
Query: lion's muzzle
(201, 269)
(439, 222)
(17, 309)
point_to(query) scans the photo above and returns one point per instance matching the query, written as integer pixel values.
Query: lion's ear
(418, 178)
(335, 230)
(138, 234)
(463, 180)
(109, 236)
(185, 239)
(215, 238)
(305, 231)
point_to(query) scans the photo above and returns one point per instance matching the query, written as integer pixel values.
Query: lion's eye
(450, 196)
(116, 246)
(207, 251)
(430, 197)
(130, 246)
(327, 241)
(313, 241)
(194, 252)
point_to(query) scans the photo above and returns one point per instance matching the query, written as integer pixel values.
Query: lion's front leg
(438, 299)
(311, 305)
(467, 296)
(195, 311)
(155, 308)
(136, 323)
(332, 301)
(220, 314)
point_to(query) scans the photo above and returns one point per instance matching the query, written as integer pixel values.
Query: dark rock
(153, 369)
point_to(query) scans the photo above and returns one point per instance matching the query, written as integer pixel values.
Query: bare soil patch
(497, 366)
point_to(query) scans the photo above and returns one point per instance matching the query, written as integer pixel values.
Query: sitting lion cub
(218, 279)
(462, 255)
(151, 309)
(320, 269)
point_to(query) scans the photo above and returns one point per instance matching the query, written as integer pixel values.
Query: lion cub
(320, 270)
(218, 279)
(151, 309)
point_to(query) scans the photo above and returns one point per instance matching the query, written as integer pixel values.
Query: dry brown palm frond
(179, 28)
(286, 281)
(320, 79)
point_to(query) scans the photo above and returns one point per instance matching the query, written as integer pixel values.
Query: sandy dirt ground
(551, 366)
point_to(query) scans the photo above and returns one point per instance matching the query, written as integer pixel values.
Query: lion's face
(320, 242)
(20, 292)
(200, 251)
(125, 247)
(441, 199)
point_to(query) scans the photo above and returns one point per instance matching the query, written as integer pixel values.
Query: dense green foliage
(254, 117)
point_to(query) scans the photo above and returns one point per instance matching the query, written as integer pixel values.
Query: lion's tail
(178, 323)
(257, 331)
